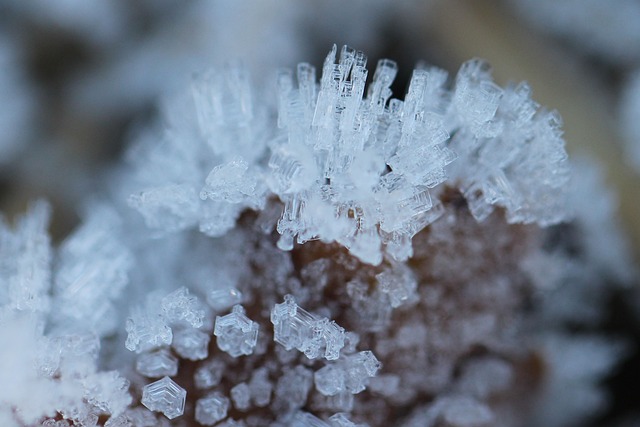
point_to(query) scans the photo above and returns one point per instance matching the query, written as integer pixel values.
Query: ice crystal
(227, 133)
(241, 396)
(191, 343)
(209, 374)
(236, 333)
(359, 171)
(164, 396)
(92, 272)
(211, 409)
(157, 363)
(295, 327)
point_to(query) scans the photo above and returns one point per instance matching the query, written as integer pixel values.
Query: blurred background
(79, 78)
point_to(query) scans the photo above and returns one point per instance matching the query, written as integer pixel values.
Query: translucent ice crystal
(26, 261)
(332, 168)
(293, 387)
(224, 298)
(305, 419)
(92, 272)
(206, 172)
(164, 396)
(399, 284)
(350, 373)
(517, 159)
(211, 409)
(360, 171)
(157, 363)
(182, 307)
(191, 343)
(329, 380)
(296, 328)
(209, 374)
(260, 387)
(236, 333)
(341, 420)
(133, 417)
(147, 329)
(107, 391)
(241, 396)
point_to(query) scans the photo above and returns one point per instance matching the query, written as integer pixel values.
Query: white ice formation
(350, 163)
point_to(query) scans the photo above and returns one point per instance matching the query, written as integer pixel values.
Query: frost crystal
(191, 343)
(25, 261)
(241, 396)
(236, 333)
(209, 374)
(351, 374)
(205, 173)
(147, 329)
(341, 420)
(92, 272)
(164, 396)
(296, 328)
(181, 307)
(157, 363)
(224, 298)
(260, 387)
(360, 171)
(211, 409)
(293, 387)
(332, 167)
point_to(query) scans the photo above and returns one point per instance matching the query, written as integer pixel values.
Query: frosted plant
(380, 250)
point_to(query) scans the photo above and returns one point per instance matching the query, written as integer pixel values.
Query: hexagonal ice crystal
(157, 363)
(209, 374)
(164, 396)
(191, 343)
(211, 409)
(315, 336)
(237, 334)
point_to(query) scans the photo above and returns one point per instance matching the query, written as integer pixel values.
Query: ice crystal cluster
(360, 170)
(331, 257)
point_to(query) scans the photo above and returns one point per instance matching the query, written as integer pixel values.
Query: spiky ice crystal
(355, 166)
